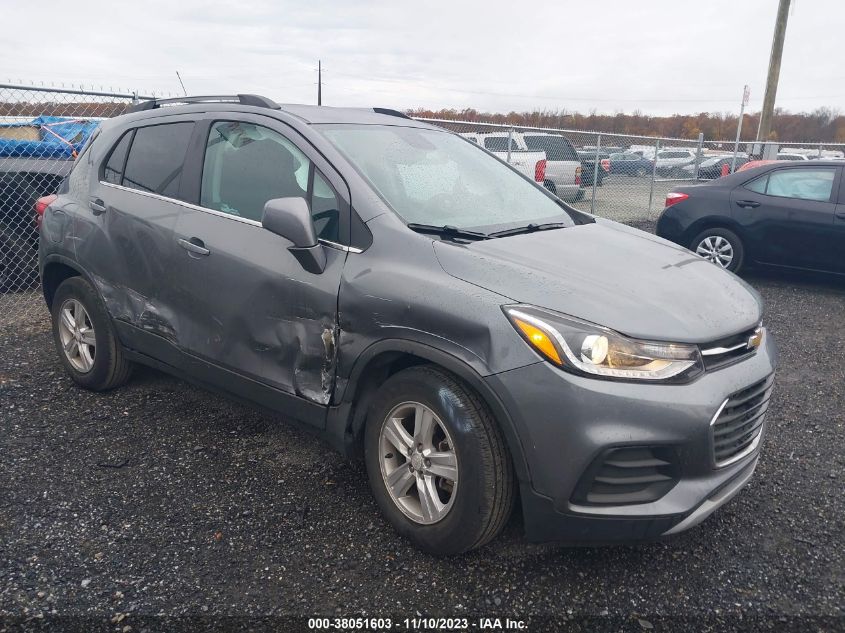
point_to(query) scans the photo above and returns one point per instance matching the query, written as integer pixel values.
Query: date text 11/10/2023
(416, 624)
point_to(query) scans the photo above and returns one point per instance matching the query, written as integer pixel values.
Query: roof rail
(248, 100)
(390, 112)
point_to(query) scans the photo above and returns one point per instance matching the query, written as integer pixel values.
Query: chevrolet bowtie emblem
(755, 339)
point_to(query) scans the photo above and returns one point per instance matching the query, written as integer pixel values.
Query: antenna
(180, 82)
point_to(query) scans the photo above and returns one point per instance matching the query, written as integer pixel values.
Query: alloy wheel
(418, 462)
(76, 333)
(716, 249)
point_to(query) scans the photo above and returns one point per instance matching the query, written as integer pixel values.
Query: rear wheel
(437, 462)
(85, 338)
(720, 246)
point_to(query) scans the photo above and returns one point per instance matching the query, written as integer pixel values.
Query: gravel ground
(160, 498)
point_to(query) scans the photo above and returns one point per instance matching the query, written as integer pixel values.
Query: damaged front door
(246, 304)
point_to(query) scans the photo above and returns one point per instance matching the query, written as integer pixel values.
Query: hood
(612, 275)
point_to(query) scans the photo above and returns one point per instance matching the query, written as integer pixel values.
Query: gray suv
(417, 302)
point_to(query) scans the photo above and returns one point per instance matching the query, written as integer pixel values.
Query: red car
(755, 163)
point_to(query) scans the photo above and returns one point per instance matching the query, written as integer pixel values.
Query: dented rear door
(245, 303)
(124, 224)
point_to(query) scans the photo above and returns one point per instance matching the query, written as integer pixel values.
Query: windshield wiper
(529, 228)
(447, 230)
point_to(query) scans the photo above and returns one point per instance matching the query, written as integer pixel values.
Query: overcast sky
(657, 56)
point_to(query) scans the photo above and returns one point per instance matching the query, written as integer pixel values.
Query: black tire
(733, 240)
(110, 368)
(485, 492)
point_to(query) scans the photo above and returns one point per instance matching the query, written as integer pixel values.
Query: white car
(563, 168)
(670, 162)
(790, 156)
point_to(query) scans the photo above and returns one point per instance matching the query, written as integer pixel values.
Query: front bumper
(565, 422)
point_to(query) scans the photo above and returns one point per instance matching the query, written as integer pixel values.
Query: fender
(345, 421)
(55, 258)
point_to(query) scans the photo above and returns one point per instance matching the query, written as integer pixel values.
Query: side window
(325, 210)
(246, 165)
(113, 171)
(758, 185)
(499, 144)
(803, 184)
(156, 158)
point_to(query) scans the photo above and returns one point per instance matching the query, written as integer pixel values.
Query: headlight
(583, 347)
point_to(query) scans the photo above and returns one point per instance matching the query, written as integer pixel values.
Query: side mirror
(290, 218)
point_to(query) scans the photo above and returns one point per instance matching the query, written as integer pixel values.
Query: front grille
(737, 427)
(636, 474)
(727, 351)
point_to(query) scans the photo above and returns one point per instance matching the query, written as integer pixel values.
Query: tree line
(820, 125)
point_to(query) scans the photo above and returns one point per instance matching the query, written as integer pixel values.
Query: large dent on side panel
(125, 304)
(285, 340)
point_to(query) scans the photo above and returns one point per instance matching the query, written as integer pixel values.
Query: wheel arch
(57, 269)
(712, 222)
(385, 358)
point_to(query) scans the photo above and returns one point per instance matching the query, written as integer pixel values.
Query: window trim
(221, 214)
(102, 170)
(132, 130)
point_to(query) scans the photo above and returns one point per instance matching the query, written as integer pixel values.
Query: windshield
(438, 178)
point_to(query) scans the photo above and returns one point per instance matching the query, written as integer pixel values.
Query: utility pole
(774, 72)
(319, 83)
(745, 94)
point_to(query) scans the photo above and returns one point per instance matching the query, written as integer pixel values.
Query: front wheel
(437, 462)
(720, 246)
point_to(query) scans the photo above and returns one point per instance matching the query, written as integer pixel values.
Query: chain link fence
(41, 132)
(623, 178)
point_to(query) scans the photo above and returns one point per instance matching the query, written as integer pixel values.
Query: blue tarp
(74, 134)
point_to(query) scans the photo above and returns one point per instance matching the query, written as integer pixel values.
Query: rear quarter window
(156, 158)
(113, 169)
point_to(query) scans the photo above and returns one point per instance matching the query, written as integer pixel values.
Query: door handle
(194, 245)
(747, 204)
(841, 214)
(98, 207)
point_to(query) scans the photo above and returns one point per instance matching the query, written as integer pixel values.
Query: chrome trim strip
(228, 216)
(714, 351)
(340, 247)
(182, 203)
(718, 412)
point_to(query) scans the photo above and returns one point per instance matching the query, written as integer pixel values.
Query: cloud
(658, 57)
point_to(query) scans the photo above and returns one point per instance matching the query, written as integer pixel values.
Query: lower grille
(737, 426)
(636, 474)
